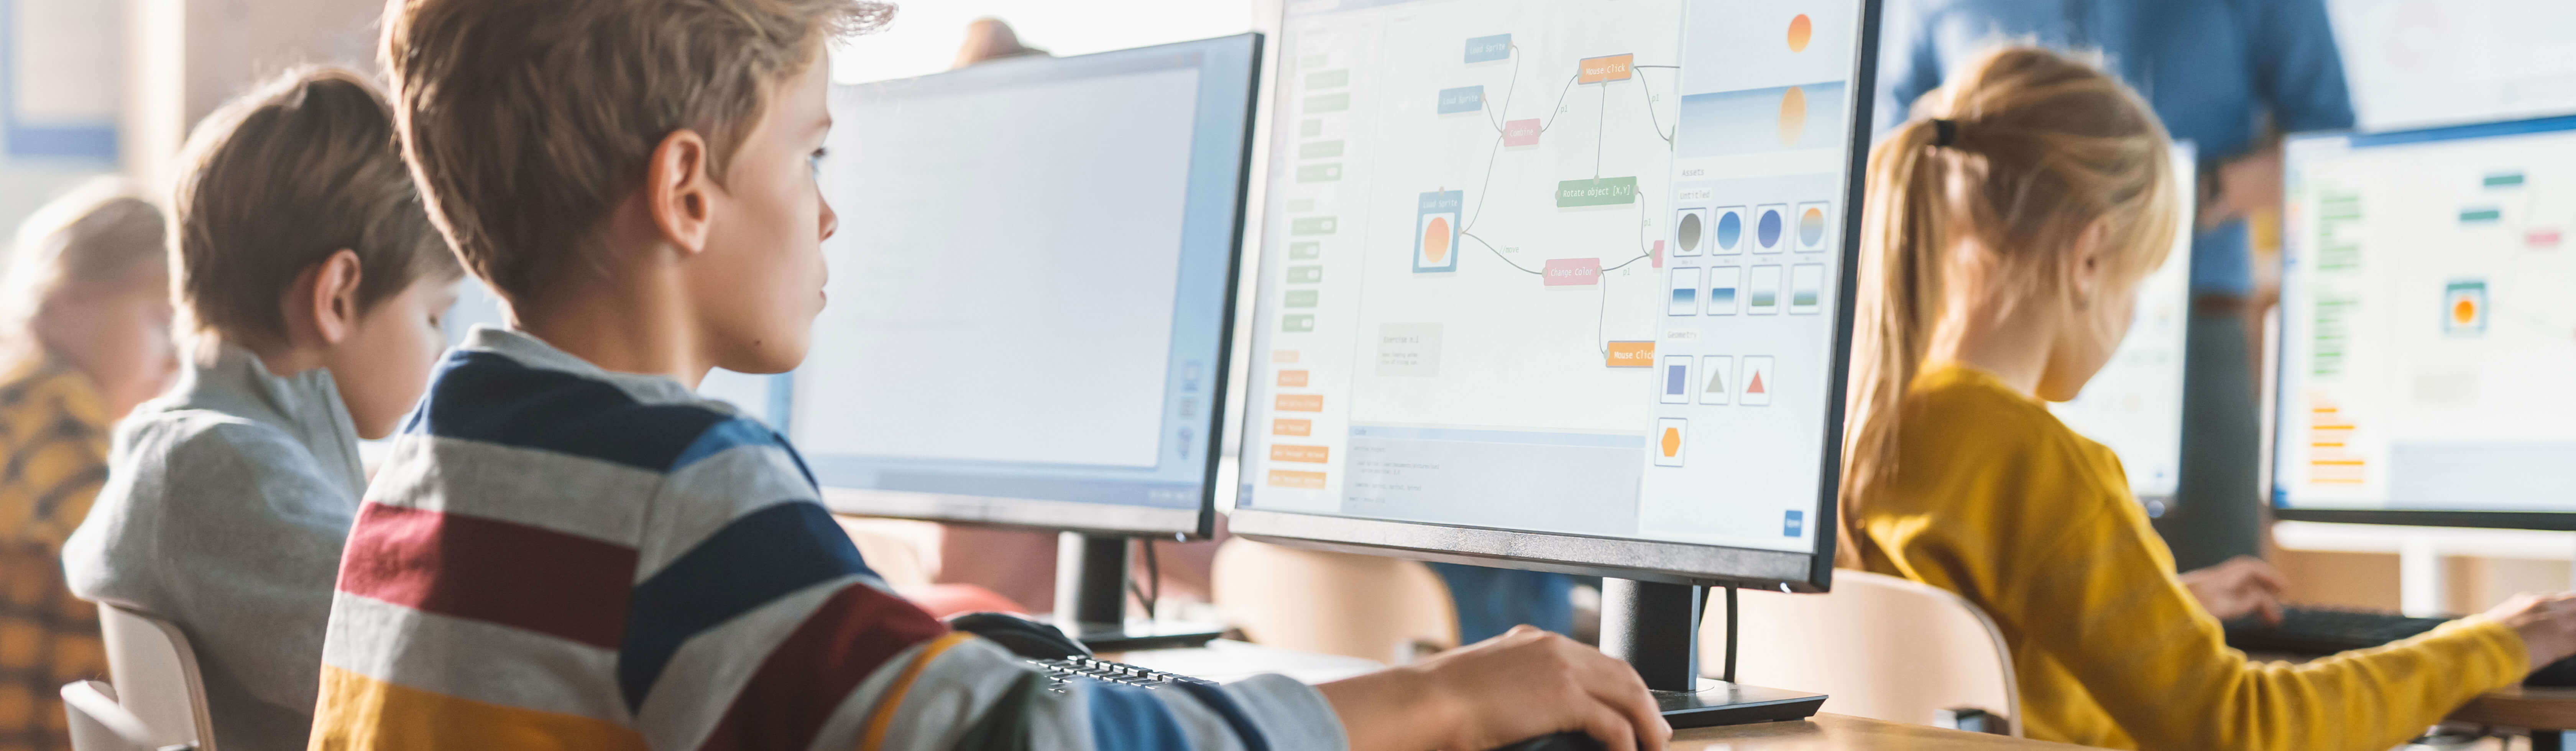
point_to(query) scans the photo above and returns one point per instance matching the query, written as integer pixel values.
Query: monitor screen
(2424, 63)
(1559, 283)
(2428, 322)
(1031, 289)
(2134, 405)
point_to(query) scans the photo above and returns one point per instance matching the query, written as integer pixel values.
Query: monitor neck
(1091, 578)
(1655, 628)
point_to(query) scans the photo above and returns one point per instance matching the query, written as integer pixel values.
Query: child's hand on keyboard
(2243, 586)
(2547, 623)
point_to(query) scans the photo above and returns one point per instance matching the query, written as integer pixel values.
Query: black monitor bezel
(1641, 560)
(1101, 518)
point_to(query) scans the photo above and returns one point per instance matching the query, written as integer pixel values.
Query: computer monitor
(1030, 296)
(1562, 286)
(2134, 405)
(2425, 63)
(2428, 328)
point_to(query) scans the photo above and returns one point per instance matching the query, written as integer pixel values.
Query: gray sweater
(225, 510)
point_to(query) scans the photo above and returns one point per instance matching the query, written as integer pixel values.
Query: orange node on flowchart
(1607, 68)
(1632, 355)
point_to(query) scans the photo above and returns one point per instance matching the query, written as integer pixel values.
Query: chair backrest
(1881, 647)
(98, 723)
(156, 676)
(1336, 603)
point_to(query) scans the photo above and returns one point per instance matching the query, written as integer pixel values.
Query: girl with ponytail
(2007, 228)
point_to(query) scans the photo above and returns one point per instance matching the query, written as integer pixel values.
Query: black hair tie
(1944, 132)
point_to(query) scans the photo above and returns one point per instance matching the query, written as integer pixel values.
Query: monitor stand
(1655, 627)
(1091, 599)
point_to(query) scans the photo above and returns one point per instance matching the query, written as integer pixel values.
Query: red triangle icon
(1756, 386)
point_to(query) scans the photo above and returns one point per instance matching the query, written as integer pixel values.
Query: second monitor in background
(2135, 405)
(1030, 298)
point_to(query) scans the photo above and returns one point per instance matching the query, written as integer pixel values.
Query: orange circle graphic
(1800, 30)
(2464, 311)
(1435, 241)
(1793, 115)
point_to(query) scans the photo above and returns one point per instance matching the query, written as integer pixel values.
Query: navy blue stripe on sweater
(757, 558)
(485, 396)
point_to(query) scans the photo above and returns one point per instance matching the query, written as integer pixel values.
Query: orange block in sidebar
(1283, 356)
(1311, 402)
(1286, 426)
(1610, 68)
(1307, 454)
(1631, 355)
(1301, 480)
(1292, 378)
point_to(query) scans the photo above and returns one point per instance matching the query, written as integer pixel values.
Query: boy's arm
(754, 623)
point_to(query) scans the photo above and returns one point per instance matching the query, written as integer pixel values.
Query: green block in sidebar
(1319, 173)
(1328, 79)
(1313, 225)
(1322, 103)
(1301, 298)
(1297, 324)
(1305, 274)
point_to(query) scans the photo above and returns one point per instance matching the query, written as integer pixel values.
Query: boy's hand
(2243, 586)
(1522, 684)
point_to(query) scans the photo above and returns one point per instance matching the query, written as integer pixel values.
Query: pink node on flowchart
(1572, 272)
(1521, 132)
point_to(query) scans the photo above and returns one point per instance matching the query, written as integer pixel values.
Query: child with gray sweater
(314, 284)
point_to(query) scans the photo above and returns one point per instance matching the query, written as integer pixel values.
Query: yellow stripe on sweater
(883, 717)
(359, 712)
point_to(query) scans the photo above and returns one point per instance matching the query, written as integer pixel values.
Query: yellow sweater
(1997, 501)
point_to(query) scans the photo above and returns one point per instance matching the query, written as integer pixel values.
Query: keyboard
(1064, 672)
(2314, 631)
(2325, 631)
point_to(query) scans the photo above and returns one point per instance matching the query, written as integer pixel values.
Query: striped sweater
(556, 556)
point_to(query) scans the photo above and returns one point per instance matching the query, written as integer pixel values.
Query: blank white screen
(1003, 280)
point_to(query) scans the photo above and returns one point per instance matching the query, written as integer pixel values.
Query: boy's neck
(629, 321)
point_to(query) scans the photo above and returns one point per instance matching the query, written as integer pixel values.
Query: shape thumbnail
(1730, 231)
(1757, 382)
(1677, 379)
(1811, 226)
(1685, 292)
(1435, 232)
(1806, 289)
(1690, 232)
(1770, 227)
(1764, 291)
(1670, 433)
(1717, 376)
(2464, 308)
(1724, 290)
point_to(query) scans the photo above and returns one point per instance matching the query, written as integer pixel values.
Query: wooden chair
(1881, 647)
(155, 677)
(1374, 608)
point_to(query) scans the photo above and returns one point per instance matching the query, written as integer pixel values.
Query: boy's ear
(677, 190)
(335, 296)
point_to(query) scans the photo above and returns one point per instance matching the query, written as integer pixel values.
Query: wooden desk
(2546, 712)
(1832, 732)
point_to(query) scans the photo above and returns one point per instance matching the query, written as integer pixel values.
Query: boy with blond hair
(569, 549)
(312, 283)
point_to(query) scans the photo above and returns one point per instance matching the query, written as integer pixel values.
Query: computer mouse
(1024, 637)
(1571, 740)
(2560, 674)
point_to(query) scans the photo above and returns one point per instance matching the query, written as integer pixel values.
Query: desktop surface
(2428, 327)
(1564, 285)
(1031, 294)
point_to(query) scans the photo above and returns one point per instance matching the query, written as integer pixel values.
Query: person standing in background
(84, 337)
(2229, 76)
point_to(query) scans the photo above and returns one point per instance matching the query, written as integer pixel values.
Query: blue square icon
(1792, 523)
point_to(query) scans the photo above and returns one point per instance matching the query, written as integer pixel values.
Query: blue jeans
(1492, 600)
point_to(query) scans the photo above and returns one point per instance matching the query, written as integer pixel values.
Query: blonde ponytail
(2022, 151)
